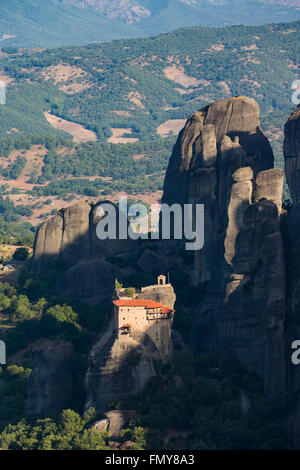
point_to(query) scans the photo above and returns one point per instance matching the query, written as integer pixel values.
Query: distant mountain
(46, 23)
(128, 11)
(50, 23)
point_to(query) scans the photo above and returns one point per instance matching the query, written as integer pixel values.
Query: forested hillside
(142, 83)
(50, 23)
(85, 121)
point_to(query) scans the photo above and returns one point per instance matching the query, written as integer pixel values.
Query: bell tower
(161, 280)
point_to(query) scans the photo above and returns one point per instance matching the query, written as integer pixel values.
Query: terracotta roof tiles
(142, 303)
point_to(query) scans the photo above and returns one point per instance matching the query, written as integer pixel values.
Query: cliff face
(251, 322)
(222, 136)
(215, 142)
(251, 251)
(117, 370)
(71, 237)
(291, 150)
(291, 232)
(119, 367)
(52, 379)
(223, 160)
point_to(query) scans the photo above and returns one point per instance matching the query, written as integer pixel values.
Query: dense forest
(130, 76)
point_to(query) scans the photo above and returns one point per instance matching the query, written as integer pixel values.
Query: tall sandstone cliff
(250, 257)
(71, 237)
(291, 233)
(223, 160)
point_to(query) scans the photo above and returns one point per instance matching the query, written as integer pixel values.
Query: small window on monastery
(123, 318)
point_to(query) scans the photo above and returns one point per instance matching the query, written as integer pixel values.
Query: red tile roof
(142, 303)
(128, 325)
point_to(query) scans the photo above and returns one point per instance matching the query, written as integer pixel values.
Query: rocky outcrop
(52, 378)
(71, 237)
(223, 160)
(118, 369)
(47, 244)
(224, 134)
(215, 142)
(251, 309)
(291, 232)
(291, 150)
(163, 294)
(120, 366)
(251, 324)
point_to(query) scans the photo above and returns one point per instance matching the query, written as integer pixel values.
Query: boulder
(118, 420)
(101, 425)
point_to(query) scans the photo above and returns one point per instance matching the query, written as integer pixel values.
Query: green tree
(21, 308)
(4, 302)
(63, 313)
(21, 254)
